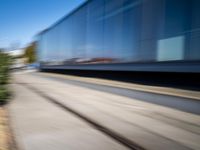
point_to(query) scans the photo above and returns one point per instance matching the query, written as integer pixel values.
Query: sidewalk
(40, 125)
(4, 137)
(146, 88)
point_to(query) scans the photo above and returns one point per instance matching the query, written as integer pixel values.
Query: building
(130, 35)
(19, 60)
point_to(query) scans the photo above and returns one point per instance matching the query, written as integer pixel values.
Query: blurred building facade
(18, 58)
(125, 31)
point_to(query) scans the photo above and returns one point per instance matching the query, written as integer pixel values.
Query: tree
(30, 53)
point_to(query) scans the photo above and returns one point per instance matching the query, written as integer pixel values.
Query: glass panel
(171, 49)
(125, 31)
(131, 29)
(113, 30)
(193, 51)
(95, 31)
(40, 48)
(181, 18)
(177, 17)
(66, 39)
(78, 34)
(152, 22)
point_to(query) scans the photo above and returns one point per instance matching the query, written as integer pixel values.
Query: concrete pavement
(41, 125)
(131, 86)
(150, 126)
(174, 98)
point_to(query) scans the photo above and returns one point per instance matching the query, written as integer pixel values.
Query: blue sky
(20, 20)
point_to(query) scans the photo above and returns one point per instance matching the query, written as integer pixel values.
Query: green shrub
(5, 63)
(4, 94)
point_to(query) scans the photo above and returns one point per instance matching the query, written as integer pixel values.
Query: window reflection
(105, 31)
(170, 49)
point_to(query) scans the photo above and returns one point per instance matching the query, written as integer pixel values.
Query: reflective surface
(109, 31)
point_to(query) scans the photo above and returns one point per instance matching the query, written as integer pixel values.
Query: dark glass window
(193, 40)
(180, 38)
(177, 17)
(176, 22)
(95, 29)
(126, 31)
(131, 29)
(78, 33)
(113, 31)
(151, 26)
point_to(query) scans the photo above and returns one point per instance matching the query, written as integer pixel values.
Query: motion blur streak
(125, 35)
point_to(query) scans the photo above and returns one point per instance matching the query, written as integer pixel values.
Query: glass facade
(117, 31)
